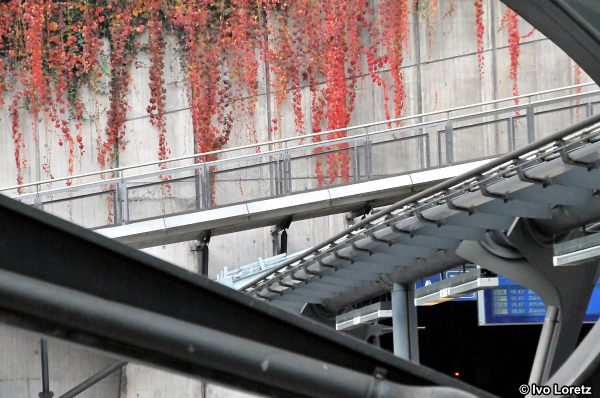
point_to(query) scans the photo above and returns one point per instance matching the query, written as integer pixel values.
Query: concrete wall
(21, 374)
(141, 382)
(443, 76)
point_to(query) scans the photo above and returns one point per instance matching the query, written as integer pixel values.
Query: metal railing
(292, 165)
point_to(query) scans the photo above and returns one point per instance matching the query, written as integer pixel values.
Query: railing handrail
(302, 137)
(279, 151)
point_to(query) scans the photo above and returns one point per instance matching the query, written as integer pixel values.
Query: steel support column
(583, 366)
(202, 251)
(279, 236)
(46, 393)
(543, 348)
(573, 285)
(404, 318)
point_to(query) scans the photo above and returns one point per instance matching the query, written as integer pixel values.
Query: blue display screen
(510, 303)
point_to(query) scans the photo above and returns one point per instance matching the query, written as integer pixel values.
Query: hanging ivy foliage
(479, 32)
(50, 50)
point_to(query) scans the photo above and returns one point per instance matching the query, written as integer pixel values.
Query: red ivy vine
(158, 92)
(395, 35)
(578, 90)
(510, 20)
(479, 32)
(514, 49)
(49, 50)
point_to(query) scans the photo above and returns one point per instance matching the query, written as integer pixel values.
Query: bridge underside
(268, 212)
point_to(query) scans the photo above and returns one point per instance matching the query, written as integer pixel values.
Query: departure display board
(509, 303)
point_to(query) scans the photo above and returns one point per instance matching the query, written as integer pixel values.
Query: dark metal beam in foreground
(145, 309)
(200, 347)
(573, 25)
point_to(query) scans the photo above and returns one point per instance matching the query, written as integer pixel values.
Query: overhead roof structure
(417, 237)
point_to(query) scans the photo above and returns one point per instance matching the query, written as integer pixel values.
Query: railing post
(368, 155)
(205, 187)
(197, 188)
(356, 162)
(46, 393)
(272, 175)
(530, 124)
(37, 201)
(122, 216)
(277, 176)
(439, 147)
(281, 173)
(117, 208)
(449, 133)
(511, 133)
(287, 172)
(427, 151)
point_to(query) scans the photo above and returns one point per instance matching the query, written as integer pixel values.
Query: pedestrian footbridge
(264, 184)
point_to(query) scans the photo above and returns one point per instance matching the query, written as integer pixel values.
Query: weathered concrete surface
(20, 367)
(145, 382)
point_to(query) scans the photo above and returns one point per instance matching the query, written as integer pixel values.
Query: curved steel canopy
(416, 237)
